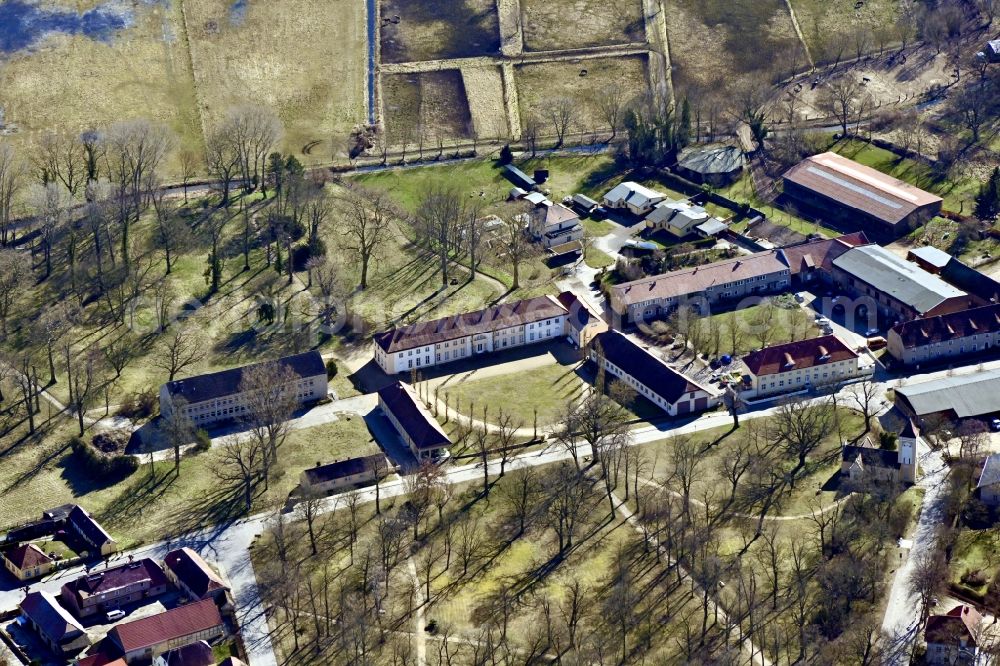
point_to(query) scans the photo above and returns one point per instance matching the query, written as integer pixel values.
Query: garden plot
(539, 85)
(714, 43)
(303, 58)
(574, 24)
(427, 106)
(437, 29)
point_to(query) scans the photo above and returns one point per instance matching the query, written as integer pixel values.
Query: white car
(115, 615)
(996, 425)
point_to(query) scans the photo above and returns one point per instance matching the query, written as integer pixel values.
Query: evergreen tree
(988, 199)
(682, 136)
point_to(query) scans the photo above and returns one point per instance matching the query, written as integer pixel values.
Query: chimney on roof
(823, 353)
(789, 361)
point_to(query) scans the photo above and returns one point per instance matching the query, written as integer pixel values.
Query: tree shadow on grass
(40, 462)
(139, 492)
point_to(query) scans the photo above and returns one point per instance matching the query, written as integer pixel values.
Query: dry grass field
(438, 29)
(714, 43)
(72, 82)
(576, 24)
(304, 58)
(431, 103)
(484, 90)
(831, 27)
(538, 84)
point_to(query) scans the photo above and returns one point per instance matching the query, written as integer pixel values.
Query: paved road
(901, 622)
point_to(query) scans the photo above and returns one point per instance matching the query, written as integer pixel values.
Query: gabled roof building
(218, 396)
(650, 376)
(953, 638)
(417, 427)
(145, 639)
(99, 592)
(340, 474)
(504, 326)
(954, 335)
(186, 569)
(637, 199)
(956, 397)
(900, 289)
(54, 625)
(27, 561)
(855, 194)
(731, 279)
(798, 366)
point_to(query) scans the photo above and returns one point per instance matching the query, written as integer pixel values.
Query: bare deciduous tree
(15, 272)
(367, 225)
(179, 350)
(561, 114)
(133, 152)
(12, 172)
(59, 159)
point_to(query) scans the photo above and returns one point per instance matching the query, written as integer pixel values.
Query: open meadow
(838, 29)
(715, 43)
(76, 82)
(575, 24)
(303, 58)
(425, 108)
(438, 29)
(541, 85)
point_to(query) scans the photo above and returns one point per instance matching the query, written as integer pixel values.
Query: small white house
(637, 199)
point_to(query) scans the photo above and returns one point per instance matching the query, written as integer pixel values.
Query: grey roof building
(717, 165)
(54, 624)
(875, 271)
(956, 397)
(218, 396)
(519, 178)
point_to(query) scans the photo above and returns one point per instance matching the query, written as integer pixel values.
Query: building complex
(222, 396)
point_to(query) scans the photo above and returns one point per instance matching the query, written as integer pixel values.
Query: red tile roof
(859, 187)
(955, 326)
(170, 625)
(27, 556)
(449, 328)
(700, 278)
(117, 578)
(820, 253)
(797, 355)
(960, 623)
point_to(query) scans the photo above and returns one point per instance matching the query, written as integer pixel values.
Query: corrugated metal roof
(932, 255)
(966, 395)
(901, 279)
(859, 187)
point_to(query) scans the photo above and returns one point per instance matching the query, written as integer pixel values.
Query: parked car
(599, 213)
(115, 615)
(996, 424)
(872, 332)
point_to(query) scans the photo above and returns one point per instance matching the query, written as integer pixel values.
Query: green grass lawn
(976, 550)
(568, 175)
(958, 195)
(597, 259)
(547, 389)
(596, 228)
(752, 324)
(150, 506)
